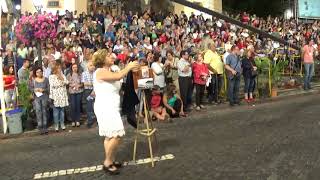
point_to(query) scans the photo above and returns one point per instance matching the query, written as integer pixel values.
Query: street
(271, 141)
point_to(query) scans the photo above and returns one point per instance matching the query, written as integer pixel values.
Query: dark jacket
(247, 66)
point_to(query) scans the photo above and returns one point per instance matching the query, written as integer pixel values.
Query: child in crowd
(157, 109)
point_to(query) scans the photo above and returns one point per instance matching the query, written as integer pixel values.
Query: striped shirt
(87, 77)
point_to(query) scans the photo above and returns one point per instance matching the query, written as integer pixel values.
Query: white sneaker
(73, 124)
(56, 127)
(202, 107)
(198, 108)
(63, 127)
(78, 124)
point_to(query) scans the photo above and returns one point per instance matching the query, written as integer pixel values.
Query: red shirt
(156, 100)
(9, 80)
(200, 73)
(69, 55)
(163, 39)
(122, 58)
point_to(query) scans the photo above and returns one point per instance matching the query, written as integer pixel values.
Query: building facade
(54, 5)
(215, 5)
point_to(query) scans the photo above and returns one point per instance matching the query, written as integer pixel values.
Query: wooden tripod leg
(147, 118)
(135, 143)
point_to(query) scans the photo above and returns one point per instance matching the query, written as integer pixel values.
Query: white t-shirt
(22, 52)
(158, 74)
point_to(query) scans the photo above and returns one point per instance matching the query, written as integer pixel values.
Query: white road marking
(98, 167)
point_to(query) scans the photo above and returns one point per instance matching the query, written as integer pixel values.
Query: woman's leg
(251, 87)
(37, 107)
(198, 92)
(78, 107)
(246, 87)
(56, 117)
(44, 103)
(63, 127)
(202, 87)
(73, 104)
(110, 146)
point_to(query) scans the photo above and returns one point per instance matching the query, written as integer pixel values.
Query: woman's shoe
(198, 108)
(111, 172)
(117, 164)
(73, 124)
(77, 124)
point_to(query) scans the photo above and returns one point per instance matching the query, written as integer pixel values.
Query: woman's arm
(165, 102)
(179, 98)
(116, 76)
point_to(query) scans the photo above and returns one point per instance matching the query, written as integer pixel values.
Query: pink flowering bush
(37, 27)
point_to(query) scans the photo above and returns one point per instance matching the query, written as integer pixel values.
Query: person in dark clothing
(130, 100)
(249, 74)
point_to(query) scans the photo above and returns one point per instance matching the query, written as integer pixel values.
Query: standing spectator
(171, 69)
(215, 65)
(233, 65)
(23, 72)
(200, 75)
(185, 81)
(88, 93)
(58, 93)
(158, 72)
(40, 88)
(249, 74)
(9, 86)
(75, 91)
(308, 60)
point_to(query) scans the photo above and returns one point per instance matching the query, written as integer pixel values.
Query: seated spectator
(159, 112)
(173, 102)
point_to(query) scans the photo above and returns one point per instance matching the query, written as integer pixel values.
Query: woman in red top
(200, 74)
(9, 86)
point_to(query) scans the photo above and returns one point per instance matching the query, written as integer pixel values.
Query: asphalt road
(271, 141)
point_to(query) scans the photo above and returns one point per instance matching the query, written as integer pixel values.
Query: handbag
(254, 73)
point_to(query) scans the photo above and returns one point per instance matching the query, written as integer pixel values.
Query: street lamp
(38, 4)
(4, 8)
(18, 7)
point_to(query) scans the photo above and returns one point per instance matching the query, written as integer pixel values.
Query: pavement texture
(271, 141)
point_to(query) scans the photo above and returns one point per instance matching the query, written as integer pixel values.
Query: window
(53, 4)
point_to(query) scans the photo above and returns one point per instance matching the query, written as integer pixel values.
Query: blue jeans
(308, 75)
(233, 89)
(216, 82)
(249, 84)
(58, 116)
(89, 107)
(75, 104)
(41, 106)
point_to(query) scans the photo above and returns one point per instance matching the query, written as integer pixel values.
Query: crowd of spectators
(185, 53)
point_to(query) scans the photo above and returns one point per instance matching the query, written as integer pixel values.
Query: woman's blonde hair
(99, 58)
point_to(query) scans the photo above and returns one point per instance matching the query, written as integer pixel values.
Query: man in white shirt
(185, 81)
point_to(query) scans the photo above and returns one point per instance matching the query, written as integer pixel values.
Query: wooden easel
(149, 132)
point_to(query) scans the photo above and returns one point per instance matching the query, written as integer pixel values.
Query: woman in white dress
(106, 85)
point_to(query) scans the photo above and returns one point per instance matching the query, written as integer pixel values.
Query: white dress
(107, 108)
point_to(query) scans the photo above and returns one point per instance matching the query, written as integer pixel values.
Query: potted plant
(276, 68)
(25, 102)
(262, 64)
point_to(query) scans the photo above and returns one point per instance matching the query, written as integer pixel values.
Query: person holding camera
(233, 66)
